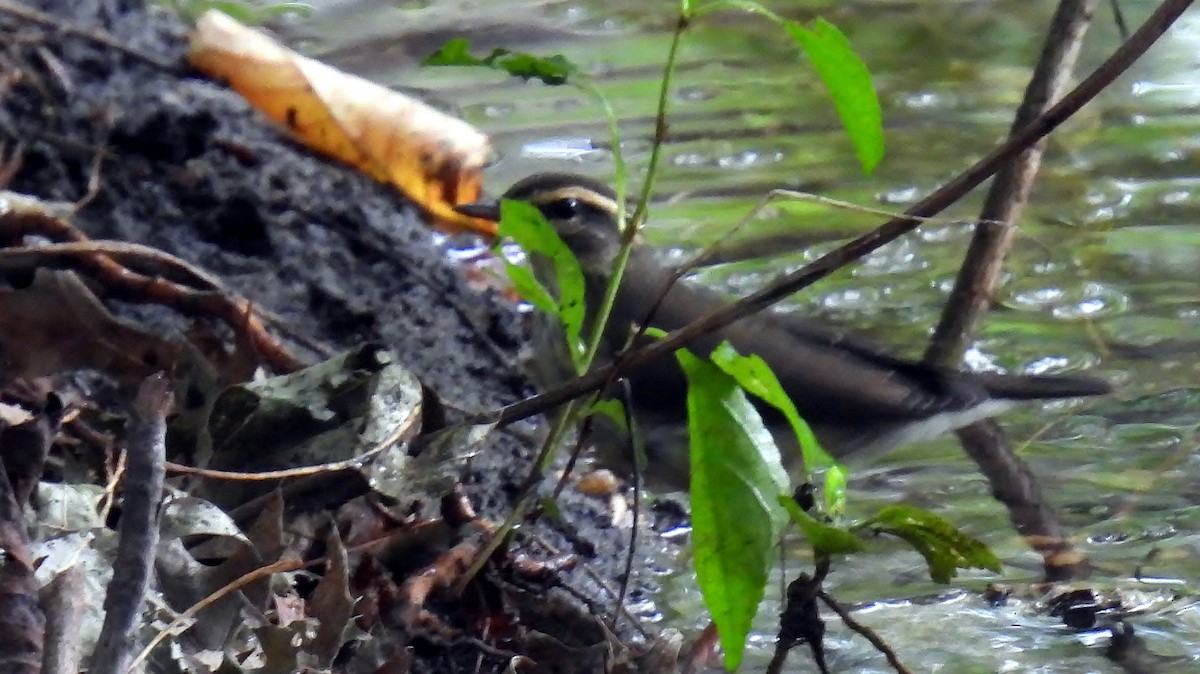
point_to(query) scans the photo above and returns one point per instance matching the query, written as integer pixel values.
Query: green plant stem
(660, 124)
(628, 228)
(610, 293)
(566, 414)
(562, 419)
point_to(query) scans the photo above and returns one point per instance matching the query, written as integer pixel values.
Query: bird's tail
(1031, 387)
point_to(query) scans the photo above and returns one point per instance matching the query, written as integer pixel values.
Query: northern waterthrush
(859, 399)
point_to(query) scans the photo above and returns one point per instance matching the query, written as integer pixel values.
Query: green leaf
(735, 517)
(551, 509)
(456, 52)
(529, 288)
(612, 409)
(835, 491)
(525, 224)
(553, 70)
(849, 84)
(944, 547)
(824, 538)
(844, 74)
(754, 375)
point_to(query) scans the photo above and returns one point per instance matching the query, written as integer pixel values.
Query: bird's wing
(828, 374)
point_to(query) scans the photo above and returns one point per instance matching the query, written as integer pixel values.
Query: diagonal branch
(1121, 59)
(1012, 482)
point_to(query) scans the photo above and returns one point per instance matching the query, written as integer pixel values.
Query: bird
(859, 399)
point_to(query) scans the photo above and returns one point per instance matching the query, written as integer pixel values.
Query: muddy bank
(170, 160)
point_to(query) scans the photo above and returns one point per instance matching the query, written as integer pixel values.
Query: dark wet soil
(186, 166)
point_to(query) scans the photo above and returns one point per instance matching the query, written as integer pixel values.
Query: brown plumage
(858, 398)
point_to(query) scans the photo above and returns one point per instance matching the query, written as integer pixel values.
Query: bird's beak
(483, 209)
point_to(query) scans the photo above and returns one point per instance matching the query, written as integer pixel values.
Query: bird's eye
(562, 209)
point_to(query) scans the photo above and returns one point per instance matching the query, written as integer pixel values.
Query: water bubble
(498, 110)
(1175, 197)
(1048, 365)
(897, 256)
(1093, 300)
(903, 195)
(739, 160)
(696, 93)
(688, 159)
(748, 158)
(569, 149)
(922, 100)
(978, 360)
(851, 298)
(1039, 298)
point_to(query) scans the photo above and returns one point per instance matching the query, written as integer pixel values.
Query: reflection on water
(1103, 277)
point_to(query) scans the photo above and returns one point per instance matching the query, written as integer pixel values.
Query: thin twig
(138, 257)
(138, 528)
(93, 183)
(866, 632)
(978, 278)
(299, 471)
(183, 619)
(60, 599)
(632, 440)
(10, 164)
(783, 287)
(1119, 19)
(1008, 195)
(600, 582)
(28, 215)
(146, 260)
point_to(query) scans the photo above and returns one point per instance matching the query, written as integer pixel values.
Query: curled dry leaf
(433, 158)
(357, 403)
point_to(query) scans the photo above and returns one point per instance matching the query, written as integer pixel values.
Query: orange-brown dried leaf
(435, 159)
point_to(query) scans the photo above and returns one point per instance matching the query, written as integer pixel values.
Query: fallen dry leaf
(435, 159)
(57, 325)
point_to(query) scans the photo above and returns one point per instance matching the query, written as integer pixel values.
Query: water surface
(1103, 277)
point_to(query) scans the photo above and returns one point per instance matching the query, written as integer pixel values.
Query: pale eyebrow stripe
(598, 201)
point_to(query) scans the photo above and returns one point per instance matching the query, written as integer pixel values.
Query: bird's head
(582, 210)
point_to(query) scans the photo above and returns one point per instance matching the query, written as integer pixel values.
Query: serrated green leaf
(849, 84)
(824, 538)
(945, 548)
(735, 517)
(552, 70)
(754, 375)
(529, 288)
(525, 224)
